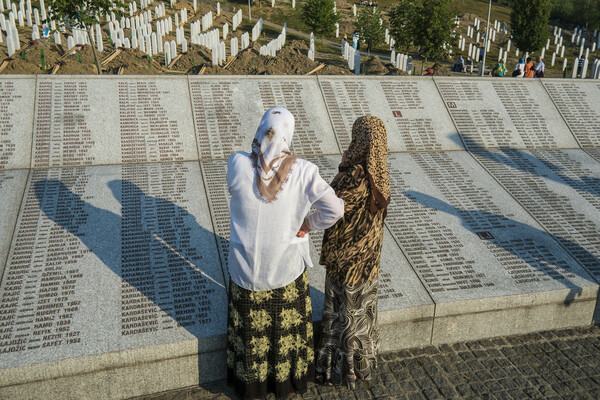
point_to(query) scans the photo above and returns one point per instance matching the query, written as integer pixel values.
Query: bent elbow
(339, 210)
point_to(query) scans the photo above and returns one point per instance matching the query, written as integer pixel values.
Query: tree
(320, 17)
(432, 28)
(402, 19)
(83, 14)
(587, 13)
(369, 27)
(529, 24)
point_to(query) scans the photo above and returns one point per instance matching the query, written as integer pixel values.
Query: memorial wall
(115, 219)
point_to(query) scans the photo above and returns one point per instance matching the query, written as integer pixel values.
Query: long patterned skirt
(270, 340)
(350, 340)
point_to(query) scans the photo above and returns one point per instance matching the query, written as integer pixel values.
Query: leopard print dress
(351, 253)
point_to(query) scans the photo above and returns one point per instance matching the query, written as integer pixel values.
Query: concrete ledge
(511, 315)
(116, 375)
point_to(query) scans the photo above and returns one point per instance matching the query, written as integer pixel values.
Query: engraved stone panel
(16, 114)
(95, 121)
(504, 113)
(561, 190)
(399, 286)
(227, 112)
(466, 238)
(414, 115)
(12, 184)
(579, 103)
(108, 259)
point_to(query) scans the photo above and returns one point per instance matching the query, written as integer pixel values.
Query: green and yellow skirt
(270, 340)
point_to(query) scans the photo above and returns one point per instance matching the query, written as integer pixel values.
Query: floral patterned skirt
(270, 340)
(350, 340)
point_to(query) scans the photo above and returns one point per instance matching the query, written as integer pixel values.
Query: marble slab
(561, 190)
(227, 111)
(504, 113)
(413, 113)
(103, 120)
(469, 241)
(402, 297)
(17, 95)
(111, 259)
(579, 103)
(12, 184)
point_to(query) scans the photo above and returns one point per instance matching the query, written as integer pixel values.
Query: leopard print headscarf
(369, 147)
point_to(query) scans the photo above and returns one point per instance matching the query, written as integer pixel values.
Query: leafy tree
(529, 24)
(402, 19)
(83, 14)
(369, 27)
(587, 13)
(432, 28)
(320, 17)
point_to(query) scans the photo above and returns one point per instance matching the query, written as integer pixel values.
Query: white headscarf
(271, 152)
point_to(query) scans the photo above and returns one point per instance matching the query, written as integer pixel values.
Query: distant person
(539, 68)
(355, 40)
(460, 64)
(498, 69)
(469, 65)
(529, 69)
(45, 30)
(519, 69)
(351, 254)
(269, 323)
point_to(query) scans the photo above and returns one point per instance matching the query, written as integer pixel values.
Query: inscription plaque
(135, 121)
(414, 115)
(560, 189)
(578, 102)
(16, 114)
(399, 286)
(228, 111)
(466, 237)
(504, 113)
(12, 184)
(110, 258)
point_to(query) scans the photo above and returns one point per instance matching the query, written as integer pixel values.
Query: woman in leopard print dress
(351, 255)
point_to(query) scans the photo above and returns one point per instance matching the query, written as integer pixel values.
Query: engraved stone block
(16, 114)
(504, 113)
(111, 259)
(579, 104)
(12, 184)
(413, 113)
(471, 244)
(135, 120)
(227, 112)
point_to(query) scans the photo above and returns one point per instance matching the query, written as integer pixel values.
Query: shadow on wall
(156, 247)
(151, 246)
(524, 161)
(533, 246)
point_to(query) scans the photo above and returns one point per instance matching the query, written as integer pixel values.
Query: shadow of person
(535, 247)
(527, 162)
(154, 246)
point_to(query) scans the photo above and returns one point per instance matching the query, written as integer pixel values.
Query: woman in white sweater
(269, 330)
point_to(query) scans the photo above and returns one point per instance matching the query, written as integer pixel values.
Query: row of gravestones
(114, 245)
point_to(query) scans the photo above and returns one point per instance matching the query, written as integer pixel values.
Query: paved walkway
(562, 364)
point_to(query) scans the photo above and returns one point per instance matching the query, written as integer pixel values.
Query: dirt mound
(440, 70)
(192, 61)
(135, 62)
(19, 66)
(292, 59)
(374, 66)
